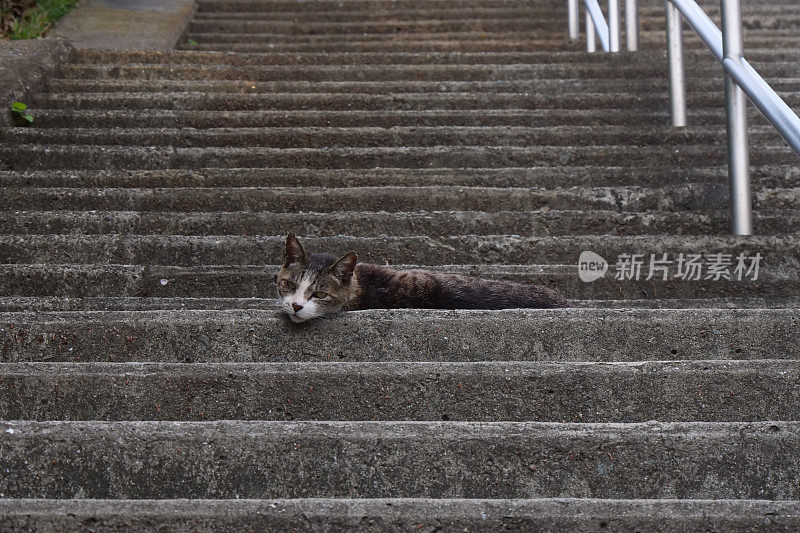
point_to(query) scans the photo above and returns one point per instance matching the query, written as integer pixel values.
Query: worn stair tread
(257, 281)
(356, 514)
(71, 85)
(443, 72)
(265, 335)
(322, 137)
(488, 200)
(713, 391)
(55, 156)
(248, 44)
(785, 20)
(89, 57)
(214, 118)
(780, 252)
(345, 13)
(543, 221)
(359, 102)
(418, 459)
(14, 304)
(535, 176)
(369, 5)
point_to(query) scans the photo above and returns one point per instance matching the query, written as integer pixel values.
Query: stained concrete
(710, 391)
(229, 459)
(403, 514)
(144, 295)
(25, 66)
(266, 335)
(126, 24)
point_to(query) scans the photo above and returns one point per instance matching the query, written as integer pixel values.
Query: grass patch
(30, 19)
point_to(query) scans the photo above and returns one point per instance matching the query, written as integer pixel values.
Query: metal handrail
(607, 32)
(596, 21)
(740, 79)
(757, 89)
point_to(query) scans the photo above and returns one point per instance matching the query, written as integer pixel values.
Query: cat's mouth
(296, 319)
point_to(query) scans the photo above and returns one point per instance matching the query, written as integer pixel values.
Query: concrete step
(375, 26)
(779, 176)
(256, 43)
(250, 281)
(392, 26)
(321, 5)
(257, 118)
(284, 6)
(419, 14)
(551, 39)
(470, 67)
(535, 41)
(257, 335)
(16, 304)
(179, 250)
(684, 197)
(701, 391)
(399, 72)
(408, 15)
(392, 459)
(323, 137)
(54, 156)
(119, 58)
(544, 221)
(656, 86)
(469, 22)
(195, 101)
(648, 15)
(564, 514)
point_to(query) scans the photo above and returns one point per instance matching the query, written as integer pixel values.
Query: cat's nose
(296, 307)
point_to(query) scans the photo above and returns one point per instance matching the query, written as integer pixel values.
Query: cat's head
(313, 285)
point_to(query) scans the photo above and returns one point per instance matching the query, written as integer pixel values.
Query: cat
(314, 285)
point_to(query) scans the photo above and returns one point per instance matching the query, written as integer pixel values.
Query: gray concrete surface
(126, 24)
(229, 459)
(543, 221)
(143, 218)
(404, 514)
(25, 67)
(51, 303)
(257, 281)
(711, 391)
(777, 176)
(180, 250)
(579, 334)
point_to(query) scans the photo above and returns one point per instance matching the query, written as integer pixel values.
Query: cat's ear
(343, 268)
(294, 251)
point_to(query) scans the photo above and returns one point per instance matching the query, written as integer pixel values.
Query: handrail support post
(591, 39)
(677, 74)
(572, 20)
(613, 25)
(632, 25)
(736, 111)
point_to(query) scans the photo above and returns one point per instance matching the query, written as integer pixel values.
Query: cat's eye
(289, 284)
(320, 294)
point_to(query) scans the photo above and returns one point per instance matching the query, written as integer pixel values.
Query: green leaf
(18, 107)
(29, 118)
(192, 41)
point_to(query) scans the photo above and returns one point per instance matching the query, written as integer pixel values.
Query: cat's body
(319, 284)
(381, 287)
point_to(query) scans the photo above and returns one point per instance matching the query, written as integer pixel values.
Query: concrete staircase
(147, 380)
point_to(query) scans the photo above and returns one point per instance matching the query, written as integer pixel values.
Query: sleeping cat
(314, 285)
